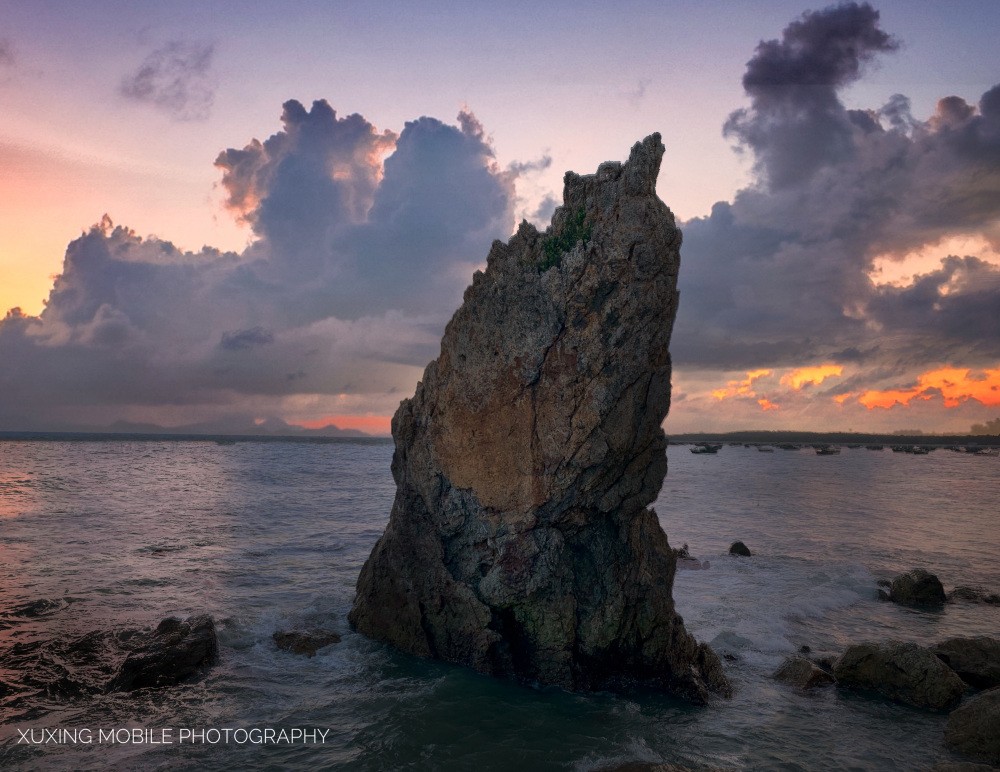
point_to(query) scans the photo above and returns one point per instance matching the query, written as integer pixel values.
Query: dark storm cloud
(355, 269)
(795, 122)
(244, 340)
(781, 275)
(175, 78)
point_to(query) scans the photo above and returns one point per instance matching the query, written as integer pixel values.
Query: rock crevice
(520, 542)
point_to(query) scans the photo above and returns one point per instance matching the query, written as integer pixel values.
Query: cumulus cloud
(175, 78)
(782, 276)
(365, 241)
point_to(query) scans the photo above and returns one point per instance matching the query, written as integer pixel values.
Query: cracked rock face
(520, 541)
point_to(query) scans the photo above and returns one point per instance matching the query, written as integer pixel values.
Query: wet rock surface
(918, 588)
(174, 651)
(903, 672)
(968, 594)
(975, 660)
(740, 549)
(799, 671)
(974, 729)
(68, 669)
(520, 542)
(306, 642)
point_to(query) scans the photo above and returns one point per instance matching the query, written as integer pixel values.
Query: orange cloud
(803, 376)
(742, 388)
(840, 399)
(372, 424)
(766, 404)
(954, 384)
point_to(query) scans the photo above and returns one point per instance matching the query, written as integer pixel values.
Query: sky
(227, 213)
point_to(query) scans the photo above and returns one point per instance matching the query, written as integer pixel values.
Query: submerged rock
(741, 549)
(904, 672)
(306, 642)
(974, 729)
(975, 660)
(520, 543)
(917, 588)
(175, 650)
(800, 672)
(974, 595)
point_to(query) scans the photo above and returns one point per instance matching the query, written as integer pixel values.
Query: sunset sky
(227, 212)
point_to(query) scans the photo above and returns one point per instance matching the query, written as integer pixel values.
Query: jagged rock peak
(519, 542)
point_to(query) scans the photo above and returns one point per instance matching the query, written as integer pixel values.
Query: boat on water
(827, 450)
(706, 448)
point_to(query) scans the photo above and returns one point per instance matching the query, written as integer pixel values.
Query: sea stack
(520, 541)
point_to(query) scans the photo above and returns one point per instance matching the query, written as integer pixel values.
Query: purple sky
(298, 193)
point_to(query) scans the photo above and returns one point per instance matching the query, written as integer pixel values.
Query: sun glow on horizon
(954, 385)
(370, 424)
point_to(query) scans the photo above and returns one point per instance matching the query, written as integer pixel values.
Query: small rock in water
(804, 649)
(974, 595)
(975, 660)
(741, 549)
(306, 642)
(917, 588)
(800, 672)
(974, 729)
(903, 672)
(175, 650)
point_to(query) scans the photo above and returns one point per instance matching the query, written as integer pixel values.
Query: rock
(904, 672)
(688, 562)
(917, 588)
(519, 542)
(825, 663)
(741, 549)
(804, 649)
(800, 672)
(974, 729)
(175, 650)
(974, 595)
(883, 595)
(651, 766)
(306, 642)
(975, 660)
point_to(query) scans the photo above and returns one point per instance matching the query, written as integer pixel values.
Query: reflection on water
(266, 536)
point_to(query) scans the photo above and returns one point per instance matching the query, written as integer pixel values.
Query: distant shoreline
(171, 437)
(760, 437)
(833, 438)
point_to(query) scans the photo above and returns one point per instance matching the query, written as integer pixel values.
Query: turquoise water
(267, 536)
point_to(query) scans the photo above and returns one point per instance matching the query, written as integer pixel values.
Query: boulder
(903, 672)
(917, 588)
(974, 729)
(306, 642)
(520, 542)
(741, 549)
(800, 672)
(975, 660)
(174, 651)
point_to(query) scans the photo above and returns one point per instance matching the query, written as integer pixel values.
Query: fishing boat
(706, 448)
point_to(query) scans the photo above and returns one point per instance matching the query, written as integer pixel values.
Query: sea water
(270, 536)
